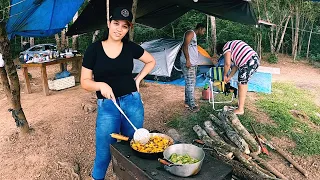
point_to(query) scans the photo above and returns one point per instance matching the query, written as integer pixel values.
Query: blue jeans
(190, 75)
(110, 120)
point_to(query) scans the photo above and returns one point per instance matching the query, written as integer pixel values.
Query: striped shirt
(241, 52)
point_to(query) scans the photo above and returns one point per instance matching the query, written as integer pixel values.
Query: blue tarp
(259, 82)
(34, 18)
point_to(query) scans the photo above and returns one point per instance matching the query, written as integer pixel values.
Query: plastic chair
(218, 86)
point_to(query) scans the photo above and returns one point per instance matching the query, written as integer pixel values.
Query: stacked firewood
(233, 143)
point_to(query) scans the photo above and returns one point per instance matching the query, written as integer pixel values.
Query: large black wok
(144, 155)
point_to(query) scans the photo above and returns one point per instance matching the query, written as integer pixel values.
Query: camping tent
(158, 14)
(167, 55)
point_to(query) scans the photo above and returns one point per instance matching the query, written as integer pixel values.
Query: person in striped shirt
(245, 60)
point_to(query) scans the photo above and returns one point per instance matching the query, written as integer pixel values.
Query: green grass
(277, 106)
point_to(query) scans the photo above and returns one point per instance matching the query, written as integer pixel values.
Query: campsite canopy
(35, 18)
(158, 14)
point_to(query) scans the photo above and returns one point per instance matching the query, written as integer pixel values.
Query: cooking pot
(183, 170)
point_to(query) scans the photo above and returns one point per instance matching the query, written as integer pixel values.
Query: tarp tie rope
(23, 11)
(13, 5)
(15, 112)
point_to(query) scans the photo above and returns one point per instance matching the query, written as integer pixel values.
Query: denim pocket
(99, 102)
(137, 96)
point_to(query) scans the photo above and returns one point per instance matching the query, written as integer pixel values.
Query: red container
(206, 93)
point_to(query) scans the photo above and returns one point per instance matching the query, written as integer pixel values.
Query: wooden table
(127, 166)
(43, 67)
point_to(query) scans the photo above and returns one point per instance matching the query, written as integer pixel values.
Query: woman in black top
(107, 69)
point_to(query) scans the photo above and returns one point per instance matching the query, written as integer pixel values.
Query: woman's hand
(106, 91)
(226, 79)
(137, 84)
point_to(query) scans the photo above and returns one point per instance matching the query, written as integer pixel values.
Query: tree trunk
(134, 10)
(278, 29)
(10, 82)
(214, 34)
(75, 67)
(67, 39)
(56, 36)
(276, 38)
(296, 34)
(75, 43)
(31, 40)
(5, 83)
(304, 24)
(95, 35)
(21, 43)
(292, 36)
(255, 41)
(173, 33)
(260, 43)
(308, 48)
(271, 40)
(75, 37)
(63, 40)
(207, 32)
(283, 33)
(232, 134)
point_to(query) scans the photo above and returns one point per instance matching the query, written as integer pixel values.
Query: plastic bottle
(206, 86)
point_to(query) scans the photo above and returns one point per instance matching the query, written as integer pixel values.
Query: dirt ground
(63, 135)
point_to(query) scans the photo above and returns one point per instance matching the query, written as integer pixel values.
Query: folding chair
(218, 86)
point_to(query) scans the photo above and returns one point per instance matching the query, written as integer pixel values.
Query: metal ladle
(141, 135)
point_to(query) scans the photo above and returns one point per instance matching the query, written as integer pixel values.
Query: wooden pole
(107, 9)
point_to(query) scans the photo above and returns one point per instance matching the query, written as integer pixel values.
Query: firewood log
(268, 166)
(234, 121)
(222, 134)
(232, 134)
(215, 142)
(219, 150)
(211, 130)
(285, 155)
(261, 169)
(238, 169)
